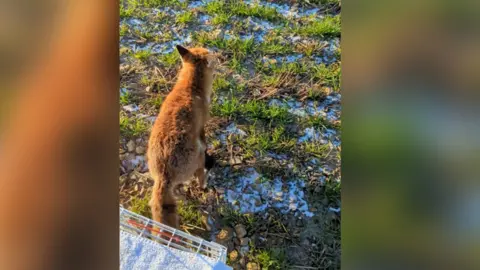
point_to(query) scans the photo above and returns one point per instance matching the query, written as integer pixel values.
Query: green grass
(242, 9)
(316, 149)
(185, 18)
(126, 98)
(163, 3)
(327, 75)
(221, 84)
(239, 8)
(252, 109)
(241, 47)
(127, 10)
(329, 26)
(281, 68)
(156, 101)
(276, 139)
(228, 108)
(133, 127)
(319, 122)
(142, 55)
(189, 214)
(141, 206)
(275, 47)
(221, 19)
(231, 217)
(169, 60)
(236, 63)
(123, 29)
(274, 258)
(147, 35)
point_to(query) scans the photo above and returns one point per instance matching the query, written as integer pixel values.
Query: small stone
(244, 241)
(130, 157)
(236, 242)
(133, 86)
(244, 250)
(140, 150)
(220, 190)
(233, 255)
(148, 88)
(240, 230)
(131, 146)
(225, 235)
(252, 266)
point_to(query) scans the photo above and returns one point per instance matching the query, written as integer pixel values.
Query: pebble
(253, 266)
(131, 146)
(233, 255)
(244, 241)
(140, 150)
(220, 190)
(225, 235)
(244, 250)
(240, 231)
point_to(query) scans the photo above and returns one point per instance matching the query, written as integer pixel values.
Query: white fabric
(138, 253)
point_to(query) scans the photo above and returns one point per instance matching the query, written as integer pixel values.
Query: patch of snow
(229, 130)
(312, 135)
(131, 108)
(329, 50)
(293, 58)
(204, 19)
(197, 4)
(277, 156)
(123, 91)
(315, 135)
(252, 194)
(147, 117)
(135, 22)
(336, 210)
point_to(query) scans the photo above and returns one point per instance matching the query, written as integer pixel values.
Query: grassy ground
(275, 127)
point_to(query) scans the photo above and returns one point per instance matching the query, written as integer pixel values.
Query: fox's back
(173, 125)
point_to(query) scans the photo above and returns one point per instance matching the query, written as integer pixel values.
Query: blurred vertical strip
(411, 134)
(59, 134)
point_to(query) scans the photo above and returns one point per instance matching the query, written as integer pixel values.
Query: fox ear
(182, 50)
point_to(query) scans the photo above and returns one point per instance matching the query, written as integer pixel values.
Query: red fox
(177, 145)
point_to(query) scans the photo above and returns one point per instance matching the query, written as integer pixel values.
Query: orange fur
(176, 148)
